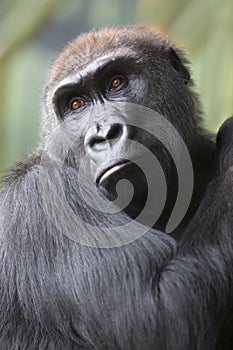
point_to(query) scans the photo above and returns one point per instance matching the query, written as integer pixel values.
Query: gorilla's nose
(102, 140)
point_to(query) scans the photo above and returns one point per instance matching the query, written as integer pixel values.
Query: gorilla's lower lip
(109, 169)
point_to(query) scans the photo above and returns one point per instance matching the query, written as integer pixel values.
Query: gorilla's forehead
(91, 67)
(100, 44)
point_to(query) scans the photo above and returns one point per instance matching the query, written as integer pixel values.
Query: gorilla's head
(116, 91)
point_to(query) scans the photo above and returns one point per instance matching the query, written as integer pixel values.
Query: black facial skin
(163, 292)
(92, 85)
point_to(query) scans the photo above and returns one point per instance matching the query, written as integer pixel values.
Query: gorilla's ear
(176, 62)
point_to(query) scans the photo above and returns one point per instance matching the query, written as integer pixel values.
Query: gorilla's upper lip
(108, 167)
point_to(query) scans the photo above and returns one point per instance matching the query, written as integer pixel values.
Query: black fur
(156, 293)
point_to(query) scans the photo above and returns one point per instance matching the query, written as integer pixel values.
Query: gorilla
(117, 232)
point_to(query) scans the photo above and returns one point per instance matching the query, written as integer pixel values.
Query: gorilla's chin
(125, 183)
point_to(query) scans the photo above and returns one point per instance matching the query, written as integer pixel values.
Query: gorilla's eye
(76, 104)
(116, 82)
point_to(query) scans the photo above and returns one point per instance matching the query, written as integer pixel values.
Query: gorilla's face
(98, 99)
(100, 104)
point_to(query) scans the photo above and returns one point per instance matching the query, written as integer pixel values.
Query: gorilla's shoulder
(24, 169)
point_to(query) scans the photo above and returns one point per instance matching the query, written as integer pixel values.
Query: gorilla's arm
(197, 284)
(204, 262)
(202, 270)
(225, 143)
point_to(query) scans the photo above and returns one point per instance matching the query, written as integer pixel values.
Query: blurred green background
(33, 32)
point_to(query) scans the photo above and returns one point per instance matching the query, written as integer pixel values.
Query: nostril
(95, 140)
(115, 131)
(101, 138)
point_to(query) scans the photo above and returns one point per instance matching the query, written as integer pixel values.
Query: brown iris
(116, 82)
(76, 104)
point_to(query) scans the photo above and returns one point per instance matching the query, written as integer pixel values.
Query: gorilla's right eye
(76, 104)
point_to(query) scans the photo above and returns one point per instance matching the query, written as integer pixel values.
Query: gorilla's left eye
(117, 82)
(77, 103)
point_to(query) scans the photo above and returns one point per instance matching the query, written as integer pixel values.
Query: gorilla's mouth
(110, 168)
